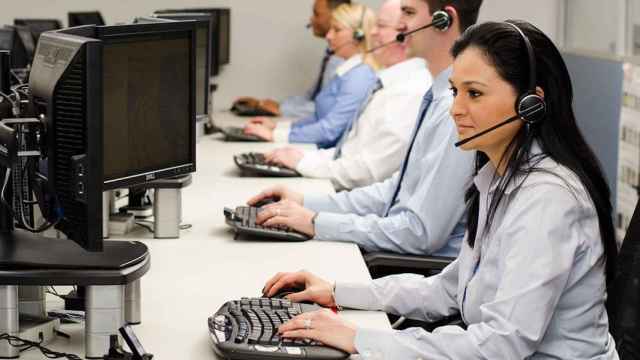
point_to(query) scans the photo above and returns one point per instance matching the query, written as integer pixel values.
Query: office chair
(624, 300)
(382, 264)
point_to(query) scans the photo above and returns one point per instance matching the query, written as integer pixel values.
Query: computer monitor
(203, 23)
(220, 35)
(38, 26)
(85, 18)
(120, 109)
(11, 40)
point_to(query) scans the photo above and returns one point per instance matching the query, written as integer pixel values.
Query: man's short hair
(333, 4)
(468, 10)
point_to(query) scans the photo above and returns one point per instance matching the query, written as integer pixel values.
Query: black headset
(441, 20)
(359, 34)
(530, 107)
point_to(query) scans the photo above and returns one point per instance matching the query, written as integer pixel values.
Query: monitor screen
(147, 106)
(224, 35)
(203, 53)
(85, 18)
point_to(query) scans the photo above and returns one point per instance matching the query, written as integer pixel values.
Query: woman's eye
(454, 91)
(474, 94)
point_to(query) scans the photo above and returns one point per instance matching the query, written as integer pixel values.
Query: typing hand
(323, 326)
(289, 214)
(287, 156)
(247, 100)
(271, 106)
(277, 192)
(260, 131)
(315, 290)
(264, 121)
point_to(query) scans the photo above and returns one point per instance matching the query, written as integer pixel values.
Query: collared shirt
(427, 217)
(300, 106)
(379, 138)
(532, 287)
(336, 105)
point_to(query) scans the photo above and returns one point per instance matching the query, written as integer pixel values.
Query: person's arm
(432, 298)
(423, 223)
(545, 238)
(372, 199)
(297, 107)
(326, 131)
(380, 154)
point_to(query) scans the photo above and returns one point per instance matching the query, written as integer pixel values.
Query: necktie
(426, 102)
(323, 68)
(372, 91)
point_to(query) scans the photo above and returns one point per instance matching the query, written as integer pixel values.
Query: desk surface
(191, 277)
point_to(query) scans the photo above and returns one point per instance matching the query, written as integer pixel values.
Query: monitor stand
(32, 260)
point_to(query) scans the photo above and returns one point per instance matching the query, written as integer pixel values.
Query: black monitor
(38, 26)
(203, 53)
(85, 18)
(220, 35)
(120, 109)
(11, 40)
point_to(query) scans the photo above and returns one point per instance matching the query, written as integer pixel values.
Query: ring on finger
(307, 324)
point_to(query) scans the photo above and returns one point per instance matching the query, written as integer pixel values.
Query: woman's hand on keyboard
(260, 131)
(286, 156)
(324, 326)
(315, 290)
(289, 214)
(277, 192)
(264, 121)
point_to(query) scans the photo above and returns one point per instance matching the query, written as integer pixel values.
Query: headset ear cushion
(531, 108)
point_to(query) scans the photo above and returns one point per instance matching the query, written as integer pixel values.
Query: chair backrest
(624, 308)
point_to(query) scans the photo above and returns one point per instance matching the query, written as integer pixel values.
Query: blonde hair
(359, 18)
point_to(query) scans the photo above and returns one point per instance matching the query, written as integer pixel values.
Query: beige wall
(272, 54)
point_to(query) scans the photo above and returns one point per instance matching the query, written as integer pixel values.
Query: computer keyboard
(256, 163)
(248, 329)
(236, 133)
(243, 220)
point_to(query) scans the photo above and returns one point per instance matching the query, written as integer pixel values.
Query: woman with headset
(338, 103)
(532, 276)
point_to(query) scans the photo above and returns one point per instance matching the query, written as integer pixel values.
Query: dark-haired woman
(531, 279)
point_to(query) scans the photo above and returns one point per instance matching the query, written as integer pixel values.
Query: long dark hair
(557, 134)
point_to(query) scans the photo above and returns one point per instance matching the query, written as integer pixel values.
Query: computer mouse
(265, 201)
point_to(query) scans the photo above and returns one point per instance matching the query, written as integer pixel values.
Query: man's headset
(440, 20)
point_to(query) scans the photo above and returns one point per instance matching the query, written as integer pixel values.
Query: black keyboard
(248, 329)
(255, 163)
(243, 220)
(236, 133)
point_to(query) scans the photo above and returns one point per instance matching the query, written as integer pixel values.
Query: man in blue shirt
(420, 209)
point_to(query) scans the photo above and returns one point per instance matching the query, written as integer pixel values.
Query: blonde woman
(338, 103)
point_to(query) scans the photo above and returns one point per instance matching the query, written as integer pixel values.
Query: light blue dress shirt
(532, 287)
(301, 106)
(427, 216)
(336, 105)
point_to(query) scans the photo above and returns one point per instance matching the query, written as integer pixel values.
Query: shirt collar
(487, 179)
(441, 85)
(346, 66)
(401, 72)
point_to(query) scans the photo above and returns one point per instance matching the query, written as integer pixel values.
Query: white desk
(191, 277)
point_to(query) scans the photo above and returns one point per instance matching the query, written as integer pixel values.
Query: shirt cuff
(370, 343)
(313, 163)
(331, 226)
(318, 203)
(281, 133)
(355, 296)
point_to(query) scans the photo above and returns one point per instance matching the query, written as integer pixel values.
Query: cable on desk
(23, 345)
